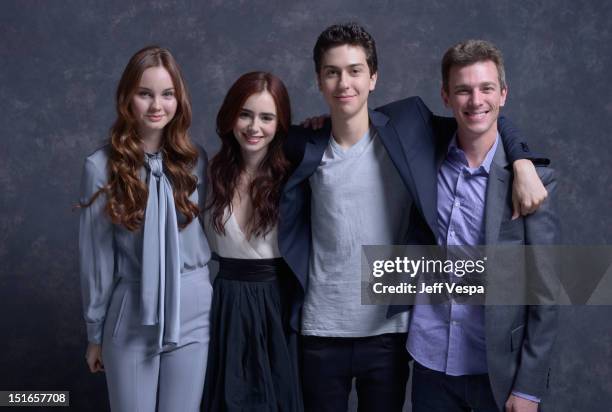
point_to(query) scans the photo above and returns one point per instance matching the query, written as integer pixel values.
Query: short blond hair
(470, 52)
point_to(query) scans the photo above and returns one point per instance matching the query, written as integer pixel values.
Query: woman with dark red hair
(252, 358)
(143, 252)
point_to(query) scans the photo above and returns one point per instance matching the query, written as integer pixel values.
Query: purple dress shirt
(450, 337)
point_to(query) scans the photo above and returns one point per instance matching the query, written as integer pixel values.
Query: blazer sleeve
(514, 142)
(294, 146)
(541, 228)
(96, 251)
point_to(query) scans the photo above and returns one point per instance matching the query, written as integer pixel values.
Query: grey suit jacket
(520, 338)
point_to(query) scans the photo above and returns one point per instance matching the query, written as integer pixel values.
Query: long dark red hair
(227, 166)
(126, 193)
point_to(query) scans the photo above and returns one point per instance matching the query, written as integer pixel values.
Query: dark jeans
(378, 363)
(434, 391)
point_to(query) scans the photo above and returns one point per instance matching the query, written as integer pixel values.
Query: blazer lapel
(413, 155)
(390, 140)
(497, 189)
(313, 153)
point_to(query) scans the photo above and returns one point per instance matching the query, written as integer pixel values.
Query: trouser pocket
(120, 313)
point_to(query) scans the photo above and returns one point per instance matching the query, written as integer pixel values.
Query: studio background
(59, 66)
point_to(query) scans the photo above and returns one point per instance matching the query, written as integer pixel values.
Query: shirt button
(457, 203)
(454, 323)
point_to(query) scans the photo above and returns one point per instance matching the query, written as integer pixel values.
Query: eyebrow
(149, 90)
(465, 86)
(251, 112)
(329, 66)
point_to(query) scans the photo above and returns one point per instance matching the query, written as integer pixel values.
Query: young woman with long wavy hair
(143, 252)
(252, 358)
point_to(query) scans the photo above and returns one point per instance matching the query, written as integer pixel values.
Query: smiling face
(475, 96)
(345, 80)
(154, 103)
(256, 124)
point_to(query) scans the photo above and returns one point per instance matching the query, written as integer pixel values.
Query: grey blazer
(520, 338)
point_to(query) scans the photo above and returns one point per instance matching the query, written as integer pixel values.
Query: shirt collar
(356, 148)
(456, 153)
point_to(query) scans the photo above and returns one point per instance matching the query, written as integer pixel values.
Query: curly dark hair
(347, 33)
(228, 164)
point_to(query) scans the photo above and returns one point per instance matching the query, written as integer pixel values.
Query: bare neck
(151, 140)
(349, 130)
(476, 147)
(252, 161)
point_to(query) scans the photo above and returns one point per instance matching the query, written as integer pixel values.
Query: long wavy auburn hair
(227, 166)
(126, 193)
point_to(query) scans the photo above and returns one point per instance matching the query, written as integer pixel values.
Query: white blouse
(234, 244)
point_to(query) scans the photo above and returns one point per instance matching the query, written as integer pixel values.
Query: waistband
(184, 275)
(249, 270)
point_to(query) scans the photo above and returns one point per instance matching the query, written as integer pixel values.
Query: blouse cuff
(94, 332)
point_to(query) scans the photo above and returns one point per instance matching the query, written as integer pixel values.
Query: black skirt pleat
(251, 359)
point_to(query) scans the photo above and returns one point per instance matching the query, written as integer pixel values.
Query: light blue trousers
(139, 377)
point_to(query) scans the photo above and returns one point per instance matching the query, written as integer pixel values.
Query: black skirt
(252, 356)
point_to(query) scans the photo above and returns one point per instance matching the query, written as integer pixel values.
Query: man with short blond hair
(474, 357)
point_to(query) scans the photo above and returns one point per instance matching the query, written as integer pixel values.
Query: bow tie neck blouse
(155, 256)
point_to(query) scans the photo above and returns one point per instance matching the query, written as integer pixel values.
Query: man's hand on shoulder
(528, 192)
(314, 123)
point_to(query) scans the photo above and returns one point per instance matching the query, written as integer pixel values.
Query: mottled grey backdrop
(60, 62)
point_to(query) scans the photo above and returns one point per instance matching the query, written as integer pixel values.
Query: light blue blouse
(156, 255)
